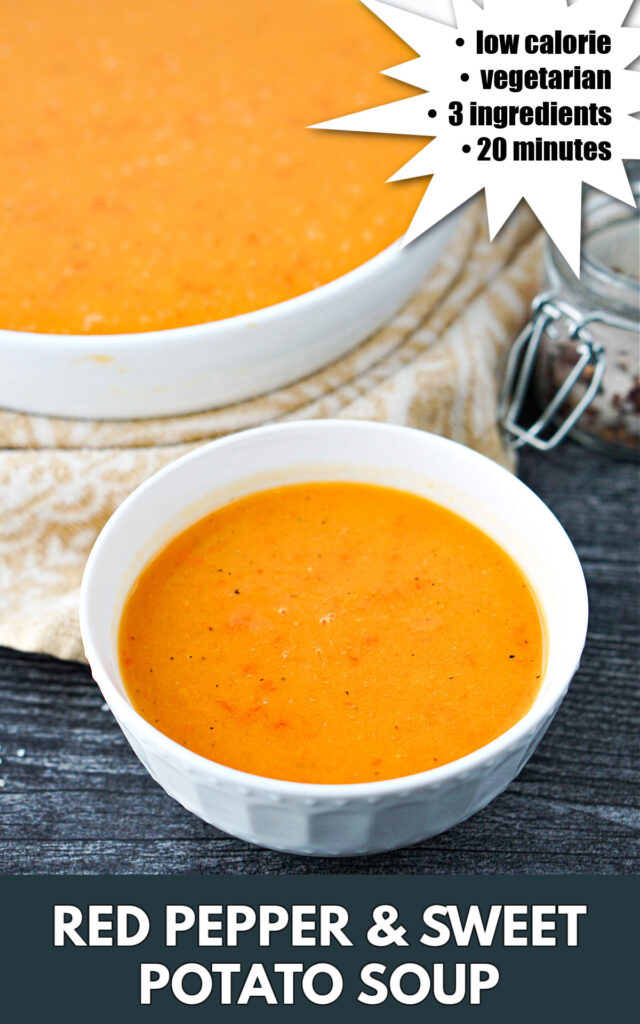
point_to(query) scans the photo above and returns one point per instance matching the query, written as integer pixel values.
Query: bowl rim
(206, 331)
(542, 709)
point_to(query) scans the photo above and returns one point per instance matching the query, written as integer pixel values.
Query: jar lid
(610, 263)
(591, 313)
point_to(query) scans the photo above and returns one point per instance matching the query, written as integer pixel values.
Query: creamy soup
(332, 633)
(157, 166)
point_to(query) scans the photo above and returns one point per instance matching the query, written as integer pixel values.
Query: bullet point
(433, 113)
(464, 77)
(466, 149)
(459, 41)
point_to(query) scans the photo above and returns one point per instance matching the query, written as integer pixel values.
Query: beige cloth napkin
(436, 366)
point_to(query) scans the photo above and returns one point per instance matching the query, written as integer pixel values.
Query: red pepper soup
(157, 166)
(332, 633)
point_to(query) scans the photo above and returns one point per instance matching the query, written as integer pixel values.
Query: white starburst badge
(524, 99)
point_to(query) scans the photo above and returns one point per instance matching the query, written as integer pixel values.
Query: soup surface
(156, 162)
(334, 633)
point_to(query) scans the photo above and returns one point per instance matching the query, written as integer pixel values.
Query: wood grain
(75, 799)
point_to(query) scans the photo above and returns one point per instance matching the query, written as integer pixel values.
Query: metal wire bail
(546, 309)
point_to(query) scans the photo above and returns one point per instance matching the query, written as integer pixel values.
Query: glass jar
(581, 348)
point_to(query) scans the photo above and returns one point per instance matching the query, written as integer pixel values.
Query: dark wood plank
(75, 799)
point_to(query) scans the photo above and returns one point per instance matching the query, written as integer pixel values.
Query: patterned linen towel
(436, 366)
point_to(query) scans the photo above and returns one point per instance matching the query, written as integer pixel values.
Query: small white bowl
(187, 369)
(355, 818)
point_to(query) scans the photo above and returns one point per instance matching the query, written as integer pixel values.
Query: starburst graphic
(479, 134)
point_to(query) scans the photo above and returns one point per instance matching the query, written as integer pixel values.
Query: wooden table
(74, 799)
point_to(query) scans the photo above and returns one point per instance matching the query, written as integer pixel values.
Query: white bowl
(187, 369)
(335, 819)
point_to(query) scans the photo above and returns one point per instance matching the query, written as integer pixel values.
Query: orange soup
(157, 166)
(332, 633)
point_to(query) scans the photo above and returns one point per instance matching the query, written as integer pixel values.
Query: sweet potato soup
(156, 165)
(332, 633)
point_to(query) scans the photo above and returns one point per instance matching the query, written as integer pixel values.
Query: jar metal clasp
(548, 308)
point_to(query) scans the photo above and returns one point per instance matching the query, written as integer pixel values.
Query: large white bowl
(335, 819)
(187, 369)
